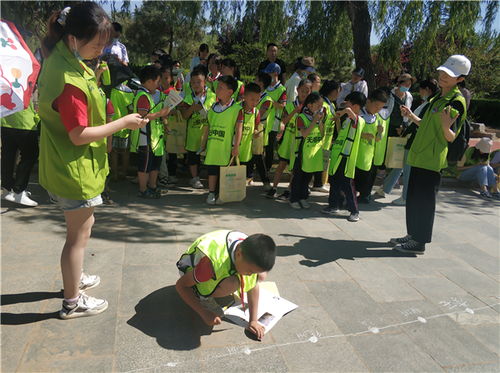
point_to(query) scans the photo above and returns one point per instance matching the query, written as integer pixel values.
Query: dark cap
(359, 71)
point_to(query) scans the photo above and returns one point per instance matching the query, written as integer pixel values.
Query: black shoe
(411, 247)
(364, 200)
(400, 240)
(284, 196)
(271, 193)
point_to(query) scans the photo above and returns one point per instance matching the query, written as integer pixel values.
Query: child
(214, 67)
(315, 80)
(221, 263)
(286, 149)
(148, 142)
(229, 68)
(344, 156)
(371, 134)
(196, 105)
(223, 124)
(310, 157)
(277, 92)
(251, 120)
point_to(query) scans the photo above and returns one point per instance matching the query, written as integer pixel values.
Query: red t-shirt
(204, 270)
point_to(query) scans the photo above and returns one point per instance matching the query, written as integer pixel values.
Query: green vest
(366, 149)
(312, 148)
(346, 145)
(121, 101)
(26, 119)
(67, 170)
(430, 147)
(195, 123)
(274, 116)
(247, 135)
(216, 246)
(329, 122)
(381, 146)
(288, 140)
(155, 137)
(221, 128)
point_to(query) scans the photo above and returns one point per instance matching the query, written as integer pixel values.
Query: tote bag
(232, 183)
(395, 152)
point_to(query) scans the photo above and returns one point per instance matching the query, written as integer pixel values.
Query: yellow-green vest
(329, 123)
(121, 101)
(312, 148)
(430, 147)
(214, 245)
(273, 114)
(346, 145)
(381, 146)
(195, 123)
(247, 135)
(366, 149)
(155, 138)
(286, 147)
(67, 170)
(26, 119)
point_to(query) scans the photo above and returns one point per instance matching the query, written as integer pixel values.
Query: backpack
(456, 149)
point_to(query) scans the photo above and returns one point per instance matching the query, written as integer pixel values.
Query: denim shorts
(67, 204)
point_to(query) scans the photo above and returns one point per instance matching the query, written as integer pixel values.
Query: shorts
(213, 170)
(193, 158)
(67, 204)
(147, 161)
(120, 143)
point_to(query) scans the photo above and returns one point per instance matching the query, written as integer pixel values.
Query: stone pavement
(362, 307)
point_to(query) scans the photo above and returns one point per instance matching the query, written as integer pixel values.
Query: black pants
(318, 179)
(26, 142)
(339, 182)
(270, 150)
(362, 180)
(423, 186)
(172, 164)
(373, 177)
(257, 162)
(300, 182)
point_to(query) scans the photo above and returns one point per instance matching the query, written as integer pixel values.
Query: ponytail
(55, 32)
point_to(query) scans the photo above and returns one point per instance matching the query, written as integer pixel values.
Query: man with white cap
(475, 167)
(427, 156)
(356, 84)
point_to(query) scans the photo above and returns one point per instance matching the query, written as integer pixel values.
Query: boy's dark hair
(118, 27)
(216, 56)
(264, 78)
(378, 94)
(149, 72)
(252, 87)
(356, 98)
(303, 82)
(259, 249)
(313, 76)
(200, 70)
(327, 87)
(229, 62)
(230, 82)
(271, 45)
(311, 99)
(203, 47)
(431, 84)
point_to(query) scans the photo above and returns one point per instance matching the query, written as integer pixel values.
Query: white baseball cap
(484, 145)
(456, 66)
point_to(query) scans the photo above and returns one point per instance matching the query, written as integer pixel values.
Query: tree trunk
(361, 25)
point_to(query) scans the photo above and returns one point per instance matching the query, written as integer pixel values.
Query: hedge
(485, 110)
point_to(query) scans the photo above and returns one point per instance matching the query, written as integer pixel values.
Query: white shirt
(350, 87)
(291, 87)
(118, 49)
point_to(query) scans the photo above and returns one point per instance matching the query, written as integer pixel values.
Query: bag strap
(232, 159)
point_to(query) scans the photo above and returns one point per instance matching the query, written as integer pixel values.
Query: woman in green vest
(427, 156)
(310, 157)
(73, 161)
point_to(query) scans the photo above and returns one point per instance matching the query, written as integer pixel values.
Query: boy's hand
(235, 152)
(210, 318)
(380, 129)
(256, 329)
(197, 107)
(368, 136)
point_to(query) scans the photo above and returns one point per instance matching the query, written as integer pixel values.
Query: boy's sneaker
(399, 201)
(411, 247)
(149, 194)
(21, 198)
(354, 217)
(295, 205)
(88, 281)
(271, 193)
(330, 210)
(106, 199)
(249, 181)
(485, 194)
(400, 240)
(304, 204)
(211, 199)
(267, 186)
(284, 196)
(163, 181)
(196, 183)
(6, 192)
(84, 306)
(321, 189)
(379, 192)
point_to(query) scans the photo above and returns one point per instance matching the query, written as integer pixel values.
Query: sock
(71, 300)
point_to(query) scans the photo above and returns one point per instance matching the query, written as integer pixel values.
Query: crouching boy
(220, 263)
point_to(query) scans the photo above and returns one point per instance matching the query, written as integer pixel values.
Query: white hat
(484, 145)
(456, 66)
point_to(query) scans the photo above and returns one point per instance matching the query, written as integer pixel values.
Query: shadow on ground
(318, 251)
(164, 316)
(8, 318)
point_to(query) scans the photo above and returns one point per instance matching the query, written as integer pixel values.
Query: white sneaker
(295, 205)
(304, 204)
(321, 189)
(211, 199)
(85, 306)
(399, 201)
(8, 193)
(196, 183)
(88, 281)
(21, 198)
(380, 192)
